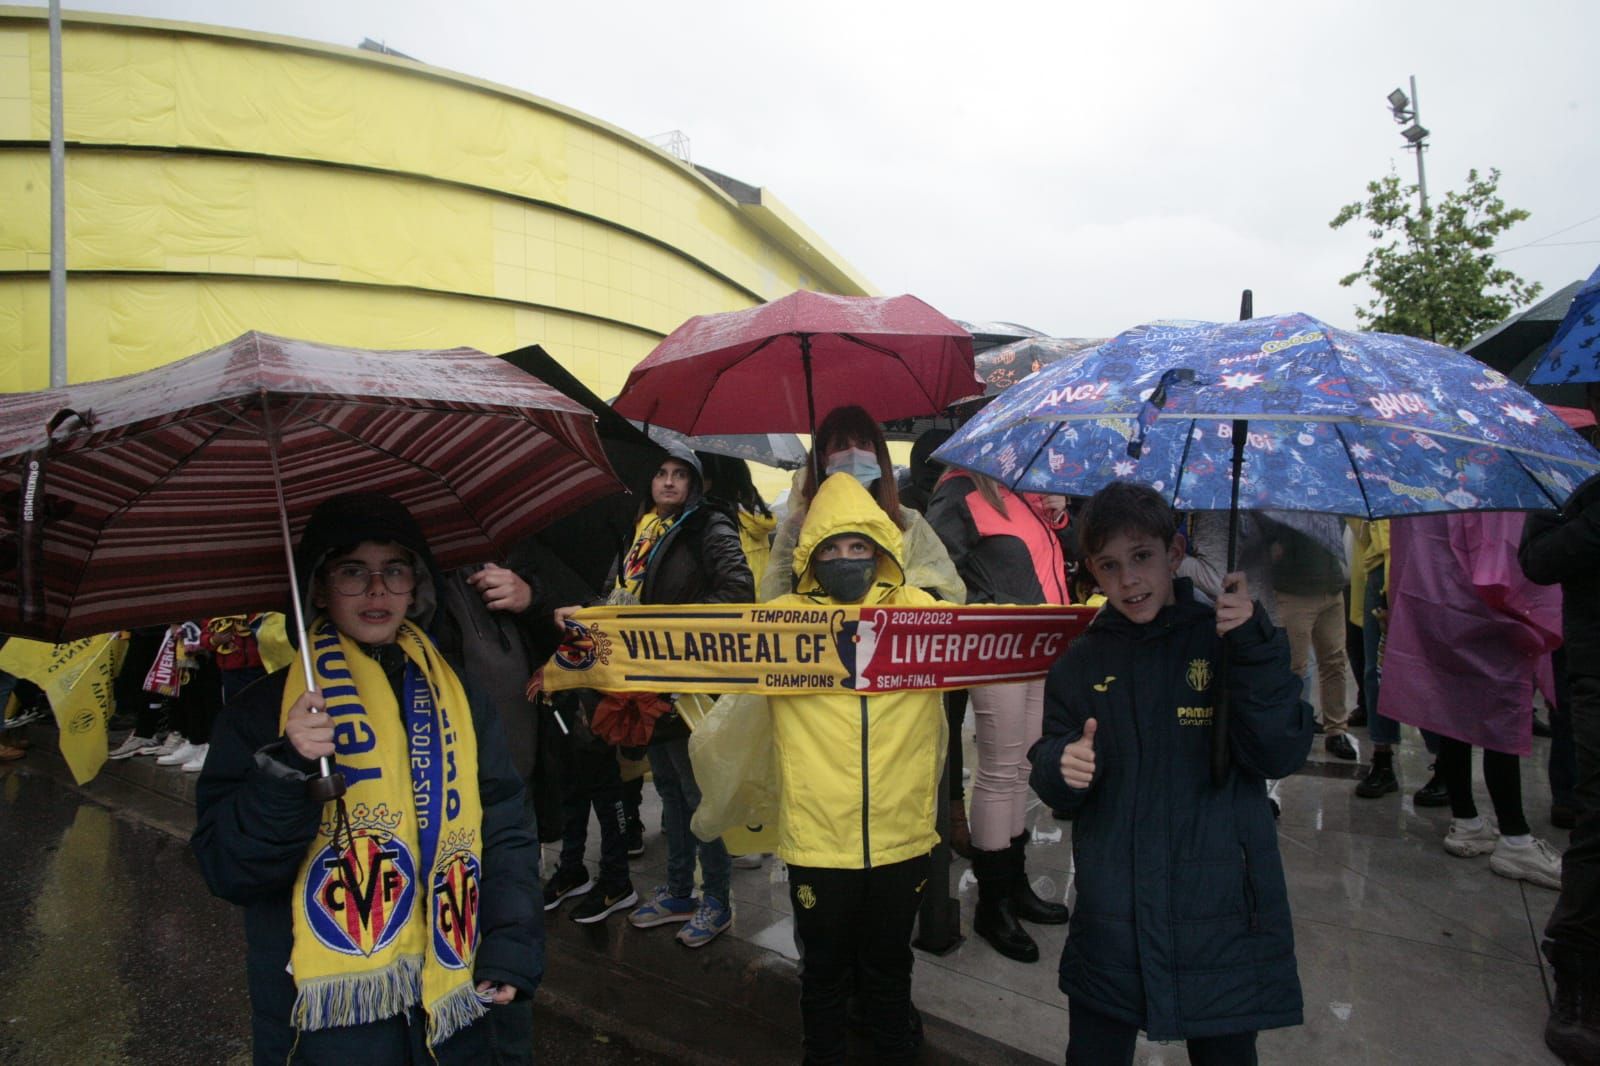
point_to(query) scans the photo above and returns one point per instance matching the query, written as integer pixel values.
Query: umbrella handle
(1222, 708)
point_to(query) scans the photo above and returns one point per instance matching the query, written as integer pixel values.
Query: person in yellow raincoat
(859, 783)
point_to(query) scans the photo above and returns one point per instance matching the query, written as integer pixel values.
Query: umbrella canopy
(1574, 353)
(1365, 424)
(986, 335)
(782, 365)
(1507, 344)
(782, 450)
(153, 498)
(1002, 367)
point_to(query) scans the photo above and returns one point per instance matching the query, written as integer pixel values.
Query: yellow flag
(272, 638)
(77, 678)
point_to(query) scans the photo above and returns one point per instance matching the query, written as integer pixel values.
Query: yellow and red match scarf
(790, 647)
(385, 907)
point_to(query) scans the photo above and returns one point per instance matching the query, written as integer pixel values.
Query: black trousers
(854, 929)
(1501, 772)
(1575, 923)
(1096, 1040)
(955, 712)
(595, 780)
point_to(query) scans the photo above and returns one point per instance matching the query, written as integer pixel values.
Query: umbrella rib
(880, 349)
(706, 396)
(1360, 483)
(1183, 461)
(1035, 457)
(1537, 483)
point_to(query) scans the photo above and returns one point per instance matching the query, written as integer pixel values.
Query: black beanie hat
(353, 517)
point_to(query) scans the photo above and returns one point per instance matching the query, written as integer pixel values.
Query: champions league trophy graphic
(855, 643)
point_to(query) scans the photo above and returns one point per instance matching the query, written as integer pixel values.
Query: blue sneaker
(711, 918)
(662, 907)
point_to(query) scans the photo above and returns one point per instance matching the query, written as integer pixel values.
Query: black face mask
(845, 580)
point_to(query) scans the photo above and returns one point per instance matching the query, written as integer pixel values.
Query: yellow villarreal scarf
(386, 910)
(647, 537)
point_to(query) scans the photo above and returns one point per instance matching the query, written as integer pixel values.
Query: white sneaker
(1465, 843)
(1536, 862)
(178, 756)
(197, 762)
(167, 744)
(132, 746)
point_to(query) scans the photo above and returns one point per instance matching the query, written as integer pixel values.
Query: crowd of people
(373, 937)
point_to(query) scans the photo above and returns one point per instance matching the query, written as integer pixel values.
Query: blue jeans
(680, 798)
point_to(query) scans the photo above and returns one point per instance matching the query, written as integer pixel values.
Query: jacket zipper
(866, 792)
(1249, 891)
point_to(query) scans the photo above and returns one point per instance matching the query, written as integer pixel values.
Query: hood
(680, 451)
(843, 506)
(341, 521)
(924, 471)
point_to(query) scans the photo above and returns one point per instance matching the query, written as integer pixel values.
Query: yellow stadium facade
(220, 181)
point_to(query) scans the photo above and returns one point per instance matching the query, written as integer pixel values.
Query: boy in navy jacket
(1182, 921)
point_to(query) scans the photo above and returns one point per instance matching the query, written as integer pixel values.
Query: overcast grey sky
(1076, 167)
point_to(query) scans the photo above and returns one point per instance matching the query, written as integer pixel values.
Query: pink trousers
(1009, 719)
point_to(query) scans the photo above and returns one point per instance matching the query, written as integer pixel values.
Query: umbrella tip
(1247, 305)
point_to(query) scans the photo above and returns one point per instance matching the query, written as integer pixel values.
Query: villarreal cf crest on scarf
(386, 905)
(360, 892)
(456, 880)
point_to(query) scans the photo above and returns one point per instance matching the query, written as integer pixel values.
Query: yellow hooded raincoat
(858, 775)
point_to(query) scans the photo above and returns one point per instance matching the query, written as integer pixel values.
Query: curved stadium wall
(220, 181)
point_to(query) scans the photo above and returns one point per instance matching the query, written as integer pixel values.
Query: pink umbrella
(772, 368)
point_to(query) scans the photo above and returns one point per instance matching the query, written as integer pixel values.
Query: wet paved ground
(1407, 955)
(116, 955)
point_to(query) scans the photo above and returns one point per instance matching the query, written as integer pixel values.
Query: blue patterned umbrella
(1367, 424)
(1574, 352)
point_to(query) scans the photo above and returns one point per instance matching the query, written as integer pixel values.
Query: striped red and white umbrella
(153, 498)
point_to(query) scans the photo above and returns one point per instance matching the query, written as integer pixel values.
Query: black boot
(1573, 1030)
(1433, 794)
(995, 919)
(1380, 781)
(1027, 904)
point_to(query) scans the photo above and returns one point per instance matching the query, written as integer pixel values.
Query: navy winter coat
(1182, 919)
(254, 824)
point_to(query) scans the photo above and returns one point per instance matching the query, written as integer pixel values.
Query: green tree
(1434, 275)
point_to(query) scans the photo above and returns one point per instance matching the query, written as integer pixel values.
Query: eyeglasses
(353, 579)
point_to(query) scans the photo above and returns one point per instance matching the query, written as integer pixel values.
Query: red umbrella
(172, 494)
(772, 368)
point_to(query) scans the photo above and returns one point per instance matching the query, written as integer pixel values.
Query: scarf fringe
(453, 1012)
(356, 999)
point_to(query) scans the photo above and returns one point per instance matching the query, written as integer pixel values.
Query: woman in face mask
(850, 442)
(1006, 549)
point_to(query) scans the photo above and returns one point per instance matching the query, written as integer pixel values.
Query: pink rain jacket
(1468, 633)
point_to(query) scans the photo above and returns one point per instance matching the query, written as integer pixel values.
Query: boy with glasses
(382, 927)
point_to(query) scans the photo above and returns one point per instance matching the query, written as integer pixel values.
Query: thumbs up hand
(1077, 761)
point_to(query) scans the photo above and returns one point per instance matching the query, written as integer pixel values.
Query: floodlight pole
(1419, 144)
(58, 209)
(1416, 135)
